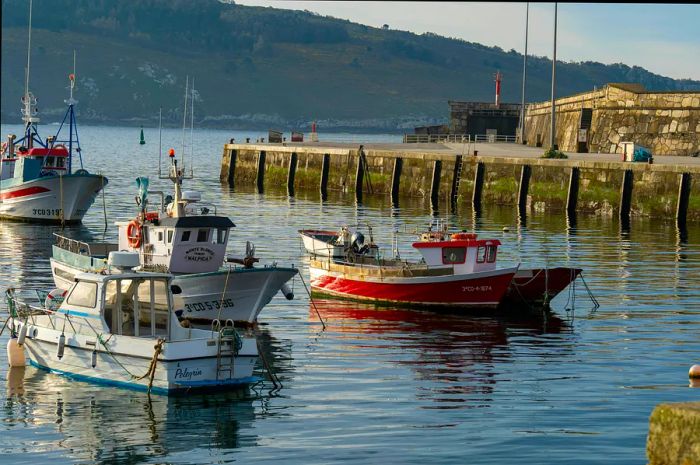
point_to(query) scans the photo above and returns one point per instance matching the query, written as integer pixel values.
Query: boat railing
(72, 245)
(200, 209)
(22, 308)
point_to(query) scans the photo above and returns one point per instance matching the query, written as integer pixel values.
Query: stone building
(479, 118)
(668, 123)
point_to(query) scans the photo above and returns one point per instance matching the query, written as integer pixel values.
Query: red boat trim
(457, 243)
(23, 192)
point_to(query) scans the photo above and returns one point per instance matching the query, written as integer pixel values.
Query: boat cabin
(128, 303)
(463, 252)
(189, 244)
(26, 164)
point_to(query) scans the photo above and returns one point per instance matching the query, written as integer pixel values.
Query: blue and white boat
(119, 328)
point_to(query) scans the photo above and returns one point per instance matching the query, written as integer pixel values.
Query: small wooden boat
(456, 272)
(119, 328)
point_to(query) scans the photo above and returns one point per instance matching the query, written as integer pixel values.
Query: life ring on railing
(55, 298)
(133, 234)
(462, 236)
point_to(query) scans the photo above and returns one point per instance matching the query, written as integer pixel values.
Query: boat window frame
(206, 231)
(221, 235)
(481, 254)
(170, 235)
(491, 253)
(457, 250)
(73, 292)
(187, 232)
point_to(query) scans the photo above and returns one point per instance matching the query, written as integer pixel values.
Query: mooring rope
(312, 301)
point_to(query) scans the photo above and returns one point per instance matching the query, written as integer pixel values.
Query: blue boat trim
(70, 312)
(140, 387)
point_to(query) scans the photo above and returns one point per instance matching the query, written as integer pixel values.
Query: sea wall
(674, 434)
(652, 190)
(666, 122)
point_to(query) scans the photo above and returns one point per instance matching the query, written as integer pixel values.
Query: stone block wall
(668, 123)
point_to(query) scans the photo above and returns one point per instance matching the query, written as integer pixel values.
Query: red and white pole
(498, 77)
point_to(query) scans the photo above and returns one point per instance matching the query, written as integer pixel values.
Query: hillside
(262, 67)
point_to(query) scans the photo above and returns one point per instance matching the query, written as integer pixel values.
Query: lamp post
(552, 138)
(522, 99)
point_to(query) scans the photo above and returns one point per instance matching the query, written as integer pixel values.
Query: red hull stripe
(485, 291)
(23, 192)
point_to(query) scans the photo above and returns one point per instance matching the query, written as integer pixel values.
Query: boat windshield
(137, 307)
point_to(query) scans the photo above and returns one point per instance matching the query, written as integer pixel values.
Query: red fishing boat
(456, 271)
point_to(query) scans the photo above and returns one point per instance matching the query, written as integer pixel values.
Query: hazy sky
(664, 39)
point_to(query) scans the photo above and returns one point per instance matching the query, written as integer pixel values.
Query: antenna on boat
(29, 101)
(184, 122)
(160, 140)
(191, 130)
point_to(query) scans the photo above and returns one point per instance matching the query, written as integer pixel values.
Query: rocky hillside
(262, 67)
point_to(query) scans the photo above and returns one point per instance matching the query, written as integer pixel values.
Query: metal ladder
(226, 351)
(459, 164)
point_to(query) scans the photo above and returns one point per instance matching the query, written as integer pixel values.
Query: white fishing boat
(37, 181)
(182, 236)
(118, 328)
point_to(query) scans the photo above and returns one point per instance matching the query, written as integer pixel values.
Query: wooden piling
(359, 176)
(260, 176)
(684, 180)
(228, 167)
(626, 194)
(291, 174)
(572, 196)
(524, 186)
(325, 167)
(456, 174)
(435, 184)
(395, 181)
(478, 186)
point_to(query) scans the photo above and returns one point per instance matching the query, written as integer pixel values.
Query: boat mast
(191, 130)
(29, 101)
(184, 121)
(160, 139)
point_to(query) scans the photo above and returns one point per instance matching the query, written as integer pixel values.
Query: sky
(663, 38)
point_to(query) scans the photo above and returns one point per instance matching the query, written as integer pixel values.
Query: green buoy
(142, 141)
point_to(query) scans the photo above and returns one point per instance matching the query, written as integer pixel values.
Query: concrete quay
(475, 173)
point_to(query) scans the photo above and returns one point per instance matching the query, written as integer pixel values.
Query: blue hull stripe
(154, 389)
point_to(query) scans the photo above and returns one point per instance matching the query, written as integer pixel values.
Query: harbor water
(379, 385)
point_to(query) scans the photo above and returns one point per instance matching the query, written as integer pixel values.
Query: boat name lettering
(484, 288)
(199, 254)
(46, 211)
(187, 373)
(209, 305)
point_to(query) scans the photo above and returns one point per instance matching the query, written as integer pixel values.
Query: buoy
(22, 335)
(506, 229)
(94, 358)
(61, 345)
(694, 372)
(287, 291)
(142, 141)
(15, 354)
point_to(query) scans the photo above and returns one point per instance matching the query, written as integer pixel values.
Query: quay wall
(668, 123)
(655, 188)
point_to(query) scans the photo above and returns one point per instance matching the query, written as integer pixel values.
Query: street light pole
(522, 100)
(552, 138)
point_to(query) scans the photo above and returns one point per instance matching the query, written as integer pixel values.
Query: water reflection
(457, 352)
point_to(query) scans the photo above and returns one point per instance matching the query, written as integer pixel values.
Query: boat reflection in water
(103, 425)
(453, 357)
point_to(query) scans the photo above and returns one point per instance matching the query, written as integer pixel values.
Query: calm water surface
(381, 385)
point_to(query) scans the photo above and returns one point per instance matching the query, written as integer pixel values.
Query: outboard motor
(357, 242)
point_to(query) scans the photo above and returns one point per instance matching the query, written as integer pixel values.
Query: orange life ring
(463, 236)
(133, 234)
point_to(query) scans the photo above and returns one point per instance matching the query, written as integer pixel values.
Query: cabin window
(137, 307)
(160, 236)
(185, 236)
(49, 162)
(202, 235)
(481, 254)
(170, 236)
(220, 236)
(491, 253)
(453, 255)
(84, 294)
(60, 162)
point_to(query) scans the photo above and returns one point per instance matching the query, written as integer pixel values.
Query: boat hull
(319, 243)
(50, 199)
(536, 287)
(239, 294)
(189, 367)
(473, 290)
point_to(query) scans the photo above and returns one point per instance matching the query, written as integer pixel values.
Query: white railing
(456, 138)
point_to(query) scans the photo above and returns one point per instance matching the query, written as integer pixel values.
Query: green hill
(262, 67)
